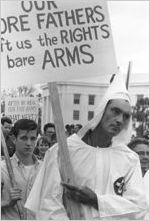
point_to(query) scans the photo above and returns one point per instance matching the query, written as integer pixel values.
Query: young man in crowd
(25, 167)
(141, 147)
(49, 131)
(6, 125)
(108, 174)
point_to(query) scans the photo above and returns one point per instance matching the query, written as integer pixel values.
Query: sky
(130, 28)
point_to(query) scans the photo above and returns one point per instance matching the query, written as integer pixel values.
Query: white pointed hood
(116, 90)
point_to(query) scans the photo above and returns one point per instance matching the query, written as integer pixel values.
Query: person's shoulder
(75, 141)
(132, 156)
(4, 171)
(72, 141)
(127, 153)
(3, 162)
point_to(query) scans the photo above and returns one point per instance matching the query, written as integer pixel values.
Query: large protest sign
(22, 107)
(44, 41)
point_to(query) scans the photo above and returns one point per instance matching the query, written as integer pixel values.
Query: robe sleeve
(45, 198)
(132, 205)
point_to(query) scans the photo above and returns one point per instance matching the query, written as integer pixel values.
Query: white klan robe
(113, 173)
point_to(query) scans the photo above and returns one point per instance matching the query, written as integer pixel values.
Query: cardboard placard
(45, 41)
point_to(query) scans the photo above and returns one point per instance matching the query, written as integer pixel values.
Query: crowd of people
(72, 128)
(109, 166)
(45, 140)
(140, 115)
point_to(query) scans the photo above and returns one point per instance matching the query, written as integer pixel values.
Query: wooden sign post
(67, 173)
(11, 174)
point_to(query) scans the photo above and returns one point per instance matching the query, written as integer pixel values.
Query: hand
(15, 194)
(81, 194)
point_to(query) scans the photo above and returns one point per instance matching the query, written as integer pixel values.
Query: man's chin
(114, 133)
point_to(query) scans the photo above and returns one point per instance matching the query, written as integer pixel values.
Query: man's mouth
(116, 128)
(144, 161)
(28, 149)
(44, 149)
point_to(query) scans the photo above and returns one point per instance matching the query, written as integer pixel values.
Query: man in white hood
(108, 173)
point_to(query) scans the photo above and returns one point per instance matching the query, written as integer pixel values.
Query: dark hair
(6, 119)
(67, 126)
(24, 124)
(47, 126)
(44, 140)
(137, 140)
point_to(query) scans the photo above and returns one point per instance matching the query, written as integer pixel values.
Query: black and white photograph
(75, 110)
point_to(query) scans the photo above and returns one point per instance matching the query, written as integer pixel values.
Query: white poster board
(45, 41)
(22, 107)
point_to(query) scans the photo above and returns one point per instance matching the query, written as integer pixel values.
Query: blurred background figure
(54, 139)
(42, 146)
(67, 130)
(140, 117)
(49, 130)
(6, 125)
(77, 127)
(72, 128)
(141, 147)
(72, 131)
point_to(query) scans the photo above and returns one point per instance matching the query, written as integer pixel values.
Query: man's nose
(146, 155)
(28, 142)
(120, 118)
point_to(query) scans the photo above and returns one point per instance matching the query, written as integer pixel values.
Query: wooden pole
(11, 174)
(128, 74)
(67, 172)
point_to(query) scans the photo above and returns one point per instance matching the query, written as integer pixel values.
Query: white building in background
(79, 99)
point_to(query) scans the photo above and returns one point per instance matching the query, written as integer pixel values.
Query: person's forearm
(5, 204)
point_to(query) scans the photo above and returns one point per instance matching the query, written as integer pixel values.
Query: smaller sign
(21, 107)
